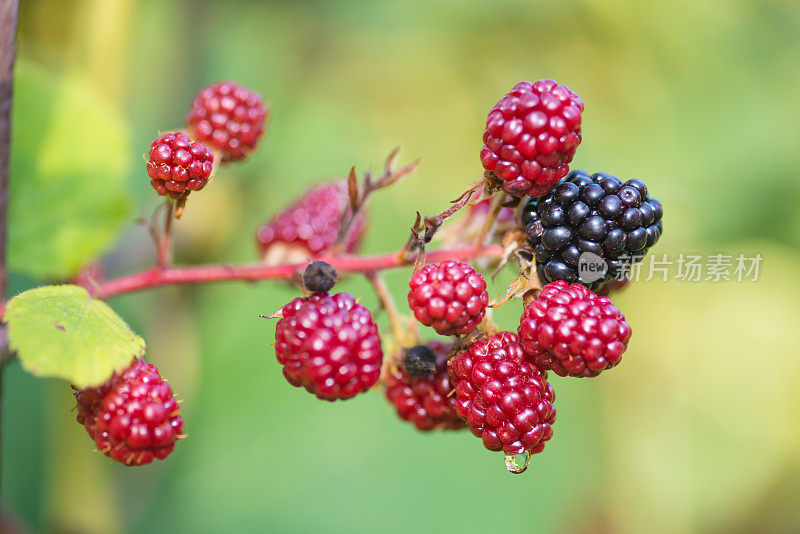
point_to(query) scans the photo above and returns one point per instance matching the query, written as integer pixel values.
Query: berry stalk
(388, 304)
(491, 218)
(165, 240)
(199, 274)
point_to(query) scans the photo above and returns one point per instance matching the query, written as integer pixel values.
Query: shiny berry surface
(426, 400)
(228, 116)
(504, 398)
(134, 417)
(449, 296)
(177, 165)
(616, 221)
(531, 136)
(329, 345)
(573, 331)
(310, 226)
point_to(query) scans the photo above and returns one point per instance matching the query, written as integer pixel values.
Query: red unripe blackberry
(133, 417)
(531, 136)
(329, 345)
(310, 226)
(177, 165)
(426, 401)
(449, 296)
(229, 117)
(504, 398)
(573, 331)
(480, 210)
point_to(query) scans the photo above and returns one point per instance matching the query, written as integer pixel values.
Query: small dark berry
(426, 401)
(419, 361)
(319, 277)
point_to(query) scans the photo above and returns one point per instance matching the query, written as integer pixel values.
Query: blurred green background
(697, 430)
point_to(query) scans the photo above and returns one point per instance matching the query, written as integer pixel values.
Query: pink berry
(329, 344)
(531, 136)
(177, 165)
(310, 226)
(426, 400)
(133, 417)
(573, 331)
(449, 296)
(229, 117)
(504, 398)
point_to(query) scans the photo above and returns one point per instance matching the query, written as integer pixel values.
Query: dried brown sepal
(391, 174)
(422, 233)
(526, 285)
(491, 182)
(514, 245)
(358, 196)
(274, 315)
(180, 205)
(352, 188)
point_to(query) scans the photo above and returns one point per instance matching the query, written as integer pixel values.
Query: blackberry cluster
(310, 226)
(177, 165)
(531, 136)
(595, 213)
(504, 398)
(133, 417)
(329, 345)
(421, 388)
(573, 331)
(228, 116)
(449, 296)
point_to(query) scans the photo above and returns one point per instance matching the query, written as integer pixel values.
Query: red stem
(199, 274)
(202, 274)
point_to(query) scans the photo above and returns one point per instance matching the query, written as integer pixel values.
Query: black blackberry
(419, 361)
(319, 277)
(600, 214)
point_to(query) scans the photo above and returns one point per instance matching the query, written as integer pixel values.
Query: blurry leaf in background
(61, 331)
(70, 159)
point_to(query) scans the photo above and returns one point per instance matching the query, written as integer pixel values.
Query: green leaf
(70, 159)
(63, 332)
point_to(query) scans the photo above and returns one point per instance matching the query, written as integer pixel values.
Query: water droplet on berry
(518, 463)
